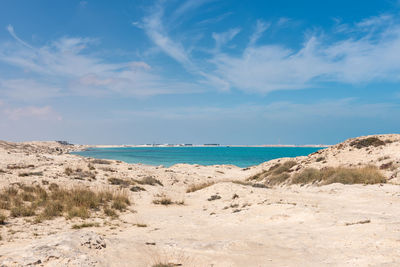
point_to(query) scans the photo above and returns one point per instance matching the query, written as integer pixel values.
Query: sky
(199, 71)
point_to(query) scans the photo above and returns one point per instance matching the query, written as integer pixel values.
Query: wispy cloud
(261, 27)
(154, 28)
(224, 37)
(374, 56)
(367, 51)
(67, 65)
(214, 20)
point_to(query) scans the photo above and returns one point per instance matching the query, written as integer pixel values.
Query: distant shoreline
(177, 145)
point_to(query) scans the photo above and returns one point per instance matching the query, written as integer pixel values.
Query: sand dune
(233, 221)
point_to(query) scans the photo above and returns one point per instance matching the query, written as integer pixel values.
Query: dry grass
(163, 201)
(85, 225)
(118, 181)
(79, 174)
(101, 161)
(19, 166)
(149, 181)
(276, 174)
(364, 175)
(166, 201)
(248, 183)
(196, 187)
(137, 188)
(25, 174)
(2, 219)
(24, 201)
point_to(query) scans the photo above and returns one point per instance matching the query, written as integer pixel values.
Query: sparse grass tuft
(365, 175)
(163, 201)
(166, 201)
(101, 161)
(25, 174)
(137, 188)
(85, 225)
(2, 219)
(118, 181)
(196, 187)
(149, 181)
(79, 173)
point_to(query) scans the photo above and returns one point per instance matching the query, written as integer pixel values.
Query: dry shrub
(366, 142)
(84, 225)
(118, 181)
(25, 174)
(164, 200)
(197, 187)
(149, 181)
(2, 219)
(364, 175)
(79, 174)
(101, 161)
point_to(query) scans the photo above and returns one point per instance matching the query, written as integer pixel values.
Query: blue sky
(200, 71)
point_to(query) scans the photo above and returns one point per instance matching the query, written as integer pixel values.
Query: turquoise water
(167, 156)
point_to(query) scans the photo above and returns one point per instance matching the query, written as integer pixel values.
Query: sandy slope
(333, 225)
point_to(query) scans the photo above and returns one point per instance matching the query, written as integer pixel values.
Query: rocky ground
(237, 217)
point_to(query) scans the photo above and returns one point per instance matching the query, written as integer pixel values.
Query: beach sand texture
(230, 222)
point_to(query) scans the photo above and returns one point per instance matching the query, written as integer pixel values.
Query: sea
(168, 156)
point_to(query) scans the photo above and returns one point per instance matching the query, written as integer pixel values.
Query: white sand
(332, 225)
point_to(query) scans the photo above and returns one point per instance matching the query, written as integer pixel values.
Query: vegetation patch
(101, 161)
(196, 187)
(214, 197)
(25, 174)
(19, 166)
(137, 189)
(85, 225)
(79, 174)
(24, 201)
(2, 219)
(388, 165)
(118, 181)
(277, 174)
(367, 142)
(365, 175)
(166, 201)
(149, 180)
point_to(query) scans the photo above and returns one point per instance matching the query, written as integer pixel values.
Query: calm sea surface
(167, 156)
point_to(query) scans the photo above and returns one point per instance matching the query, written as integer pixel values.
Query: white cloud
(66, 65)
(369, 53)
(154, 29)
(265, 68)
(261, 27)
(187, 6)
(223, 38)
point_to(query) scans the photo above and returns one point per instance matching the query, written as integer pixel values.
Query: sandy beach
(238, 217)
